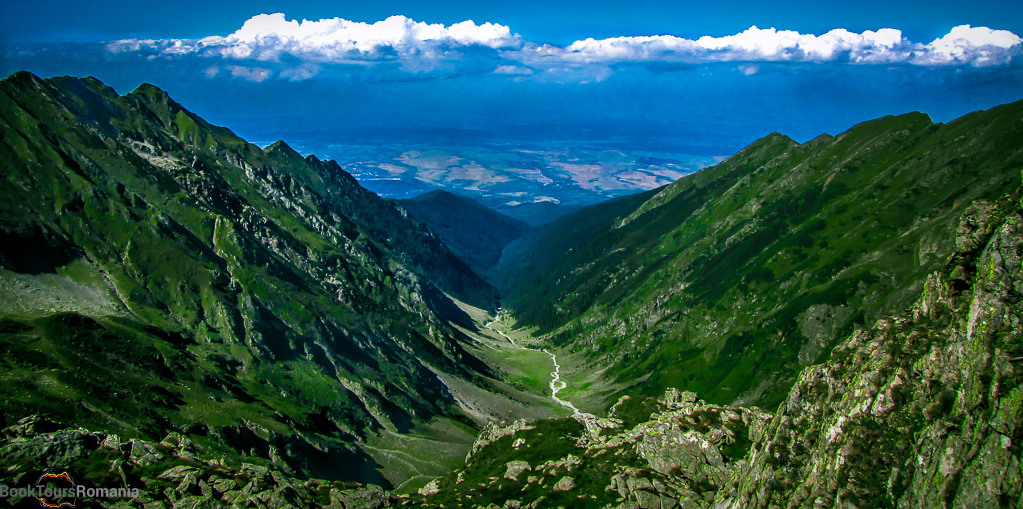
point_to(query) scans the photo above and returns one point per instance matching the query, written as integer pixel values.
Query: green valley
(833, 323)
(729, 281)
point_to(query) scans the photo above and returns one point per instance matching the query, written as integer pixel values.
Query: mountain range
(831, 323)
(730, 281)
(162, 275)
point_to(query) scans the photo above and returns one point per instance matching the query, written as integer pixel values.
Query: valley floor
(521, 388)
(545, 382)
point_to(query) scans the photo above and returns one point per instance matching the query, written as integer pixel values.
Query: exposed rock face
(564, 484)
(27, 442)
(430, 489)
(494, 431)
(924, 409)
(515, 469)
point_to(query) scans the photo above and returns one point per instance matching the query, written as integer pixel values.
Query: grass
(431, 450)
(702, 286)
(483, 480)
(527, 369)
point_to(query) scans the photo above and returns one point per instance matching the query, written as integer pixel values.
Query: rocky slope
(159, 274)
(922, 409)
(165, 473)
(729, 281)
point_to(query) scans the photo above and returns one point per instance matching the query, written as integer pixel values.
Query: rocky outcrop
(167, 474)
(922, 409)
(494, 431)
(515, 469)
(683, 450)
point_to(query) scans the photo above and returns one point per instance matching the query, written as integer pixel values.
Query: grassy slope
(247, 300)
(729, 280)
(473, 232)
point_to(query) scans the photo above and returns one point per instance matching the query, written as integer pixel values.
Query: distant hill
(532, 256)
(538, 213)
(475, 233)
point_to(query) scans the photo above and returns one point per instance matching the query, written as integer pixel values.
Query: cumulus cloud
(977, 46)
(269, 44)
(268, 37)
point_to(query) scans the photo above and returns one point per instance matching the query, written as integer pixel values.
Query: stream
(556, 383)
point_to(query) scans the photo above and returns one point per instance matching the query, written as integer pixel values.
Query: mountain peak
(438, 193)
(153, 95)
(22, 76)
(282, 147)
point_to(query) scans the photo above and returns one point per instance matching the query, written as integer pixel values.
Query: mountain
(212, 324)
(526, 259)
(160, 275)
(728, 281)
(920, 407)
(537, 213)
(475, 233)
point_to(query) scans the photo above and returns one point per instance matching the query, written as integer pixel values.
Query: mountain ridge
(257, 301)
(842, 226)
(474, 232)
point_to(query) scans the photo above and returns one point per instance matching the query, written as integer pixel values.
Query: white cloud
(300, 73)
(754, 44)
(212, 71)
(267, 37)
(976, 45)
(272, 41)
(512, 69)
(257, 74)
(963, 45)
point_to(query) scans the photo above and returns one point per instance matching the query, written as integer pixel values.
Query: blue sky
(544, 20)
(534, 71)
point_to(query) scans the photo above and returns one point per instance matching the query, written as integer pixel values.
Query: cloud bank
(269, 37)
(300, 50)
(964, 45)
